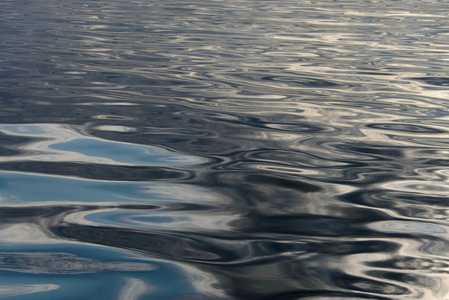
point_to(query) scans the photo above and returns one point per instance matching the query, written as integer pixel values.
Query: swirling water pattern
(222, 149)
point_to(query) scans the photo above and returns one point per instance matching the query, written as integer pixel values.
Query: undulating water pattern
(222, 149)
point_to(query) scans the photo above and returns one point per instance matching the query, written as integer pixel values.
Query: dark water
(224, 149)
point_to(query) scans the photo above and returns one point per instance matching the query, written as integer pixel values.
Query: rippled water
(224, 149)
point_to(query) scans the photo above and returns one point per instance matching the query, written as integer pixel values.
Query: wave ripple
(224, 149)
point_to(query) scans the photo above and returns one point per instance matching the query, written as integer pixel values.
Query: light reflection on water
(224, 149)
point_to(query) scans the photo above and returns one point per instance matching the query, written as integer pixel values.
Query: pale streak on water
(224, 149)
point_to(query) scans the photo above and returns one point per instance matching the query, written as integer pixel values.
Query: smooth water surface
(221, 149)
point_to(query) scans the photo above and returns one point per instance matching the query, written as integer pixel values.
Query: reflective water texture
(222, 149)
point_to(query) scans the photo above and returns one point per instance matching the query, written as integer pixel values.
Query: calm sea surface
(217, 149)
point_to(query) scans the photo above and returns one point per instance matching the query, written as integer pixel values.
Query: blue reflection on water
(74, 271)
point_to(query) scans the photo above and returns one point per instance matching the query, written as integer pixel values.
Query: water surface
(224, 149)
